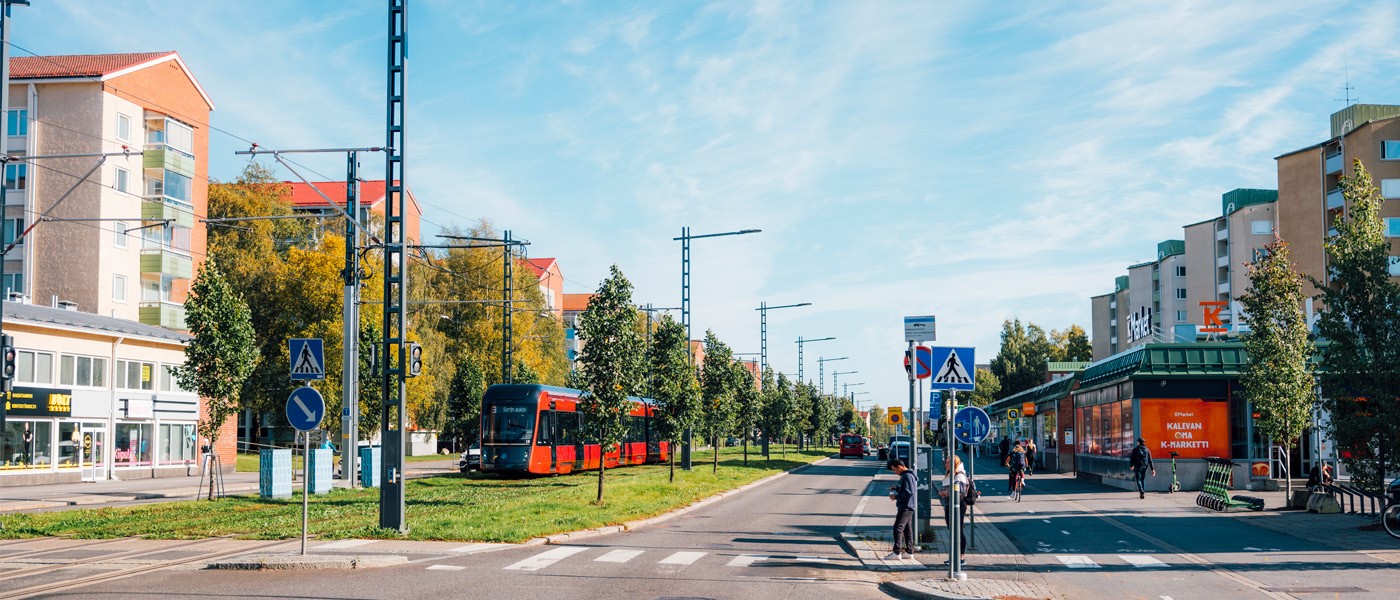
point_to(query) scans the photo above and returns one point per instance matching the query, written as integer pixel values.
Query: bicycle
(1176, 484)
(1018, 486)
(1390, 515)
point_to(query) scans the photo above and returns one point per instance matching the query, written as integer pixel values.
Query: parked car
(868, 445)
(471, 459)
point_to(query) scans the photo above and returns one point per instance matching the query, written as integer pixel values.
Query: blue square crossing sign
(308, 358)
(953, 368)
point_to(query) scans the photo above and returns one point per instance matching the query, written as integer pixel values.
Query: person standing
(1141, 462)
(1030, 456)
(903, 496)
(955, 482)
(1005, 449)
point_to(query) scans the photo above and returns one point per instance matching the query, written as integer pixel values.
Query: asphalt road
(775, 541)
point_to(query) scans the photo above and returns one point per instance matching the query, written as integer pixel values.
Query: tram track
(42, 551)
(128, 571)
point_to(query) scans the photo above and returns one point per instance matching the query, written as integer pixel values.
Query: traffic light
(7, 370)
(415, 359)
(908, 363)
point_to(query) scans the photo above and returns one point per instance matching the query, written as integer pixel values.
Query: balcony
(163, 314)
(162, 208)
(1332, 163)
(160, 156)
(1334, 199)
(1222, 233)
(167, 262)
(1222, 261)
(1156, 296)
(1223, 288)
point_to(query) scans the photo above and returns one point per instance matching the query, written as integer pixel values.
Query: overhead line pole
(394, 388)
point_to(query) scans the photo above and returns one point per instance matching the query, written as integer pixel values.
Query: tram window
(543, 438)
(508, 424)
(568, 428)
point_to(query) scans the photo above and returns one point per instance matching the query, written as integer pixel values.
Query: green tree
(717, 390)
(801, 414)
(1071, 345)
(221, 354)
(1361, 327)
(748, 404)
(464, 402)
(1020, 364)
(674, 387)
(986, 388)
(880, 430)
(1278, 379)
(610, 361)
(777, 406)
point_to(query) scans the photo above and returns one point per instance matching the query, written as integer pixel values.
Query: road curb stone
(297, 562)
(972, 589)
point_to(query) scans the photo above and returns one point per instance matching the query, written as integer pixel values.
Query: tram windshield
(508, 424)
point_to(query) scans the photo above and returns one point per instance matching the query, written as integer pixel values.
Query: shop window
(135, 375)
(177, 443)
(26, 445)
(82, 371)
(81, 446)
(133, 445)
(33, 367)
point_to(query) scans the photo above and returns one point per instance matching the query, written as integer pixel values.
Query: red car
(853, 445)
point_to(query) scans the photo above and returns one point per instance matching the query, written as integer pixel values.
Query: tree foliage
(1361, 327)
(748, 404)
(464, 402)
(1020, 364)
(1071, 345)
(777, 406)
(610, 363)
(674, 388)
(221, 354)
(717, 389)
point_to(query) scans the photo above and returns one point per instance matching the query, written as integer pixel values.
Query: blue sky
(976, 161)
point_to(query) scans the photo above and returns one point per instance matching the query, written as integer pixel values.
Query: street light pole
(800, 342)
(684, 239)
(821, 373)
(763, 309)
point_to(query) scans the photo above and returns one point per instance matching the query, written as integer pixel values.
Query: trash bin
(321, 470)
(370, 462)
(275, 473)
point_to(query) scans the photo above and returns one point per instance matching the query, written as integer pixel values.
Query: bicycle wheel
(1390, 517)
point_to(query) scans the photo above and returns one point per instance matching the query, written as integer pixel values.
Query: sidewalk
(62, 496)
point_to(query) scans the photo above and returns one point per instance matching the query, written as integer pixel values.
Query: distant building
(306, 199)
(551, 280)
(574, 305)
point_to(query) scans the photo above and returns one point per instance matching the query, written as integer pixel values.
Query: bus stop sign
(971, 425)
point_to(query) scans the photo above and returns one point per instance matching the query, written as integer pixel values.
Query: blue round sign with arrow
(305, 408)
(971, 425)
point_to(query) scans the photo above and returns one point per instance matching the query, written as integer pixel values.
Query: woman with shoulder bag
(955, 481)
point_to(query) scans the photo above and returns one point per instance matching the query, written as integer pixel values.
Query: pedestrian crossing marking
(1143, 562)
(546, 558)
(474, 548)
(1078, 562)
(952, 371)
(744, 560)
(344, 544)
(682, 558)
(618, 556)
(446, 568)
(811, 559)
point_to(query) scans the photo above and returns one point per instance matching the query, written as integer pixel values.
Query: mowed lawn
(457, 507)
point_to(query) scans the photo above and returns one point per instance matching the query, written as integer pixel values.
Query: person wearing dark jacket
(1141, 462)
(903, 496)
(1005, 449)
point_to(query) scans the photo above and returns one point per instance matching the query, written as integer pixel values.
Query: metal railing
(1353, 500)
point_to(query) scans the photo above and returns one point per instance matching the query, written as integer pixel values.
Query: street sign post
(305, 409)
(308, 358)
(895, 416)
(919, 329)
(923, 362)
(971, 425)
(953, 368)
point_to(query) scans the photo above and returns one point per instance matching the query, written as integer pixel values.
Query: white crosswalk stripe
(811, 559)
(446, 568)
(474, 548)
(618, 556)
(682, 558)
(744, 560)
(344, 544)
(1078, 562)
(1143, 562)
(546, 558)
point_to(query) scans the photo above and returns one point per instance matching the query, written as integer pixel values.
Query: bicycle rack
(1349, 497)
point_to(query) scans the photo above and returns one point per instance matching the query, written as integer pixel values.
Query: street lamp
(763, 309)
(684, 239)
(821, 373)
(846, 388)
(835, 377)
(800, 342)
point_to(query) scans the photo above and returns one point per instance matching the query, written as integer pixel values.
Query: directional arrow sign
(305, 408)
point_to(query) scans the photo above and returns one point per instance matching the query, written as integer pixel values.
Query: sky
(970, 160)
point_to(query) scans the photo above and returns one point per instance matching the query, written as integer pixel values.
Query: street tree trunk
(672, 455)
(746, 450)
(602, 466)
(715, 447)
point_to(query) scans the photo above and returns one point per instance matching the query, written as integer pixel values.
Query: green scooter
(1176, 484)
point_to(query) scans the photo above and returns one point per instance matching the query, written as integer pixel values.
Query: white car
(470, 460)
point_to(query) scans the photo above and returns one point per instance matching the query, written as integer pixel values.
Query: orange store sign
(1191, 427)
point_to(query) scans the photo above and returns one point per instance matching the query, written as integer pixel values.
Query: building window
(123, 128)
(119, 234)
(168, 382)
(13, 282)
(133, 444)
(82, 370)
(179, 136)
(1390, 188)
(17, 123)
(119, 288)
(12, 229)
(135, 375)
(16, 175)
(1390, 150)
(1181, 270)
(123, 180)
(1392, 226)
(177, 442)
(1261, 227)
(1181, 315)
(33, 367)
(1180, 293)
(26, 444)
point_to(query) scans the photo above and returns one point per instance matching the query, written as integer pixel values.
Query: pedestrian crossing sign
(953, 368)
(308, 358)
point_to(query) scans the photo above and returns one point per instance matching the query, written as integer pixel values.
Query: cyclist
(1016, 466)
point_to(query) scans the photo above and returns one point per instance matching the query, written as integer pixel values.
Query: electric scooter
(1176, 485)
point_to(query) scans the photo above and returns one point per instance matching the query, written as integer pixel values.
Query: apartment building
(551, 280)
(1309, 185)
(121, 240)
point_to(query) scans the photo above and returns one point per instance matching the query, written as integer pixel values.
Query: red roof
(538, 265)
(371, 192)
(78, 65)
(576, 302)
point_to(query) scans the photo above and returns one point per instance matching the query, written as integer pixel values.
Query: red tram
(537, 429)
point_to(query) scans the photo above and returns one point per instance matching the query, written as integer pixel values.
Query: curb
(904, 590)
(297, 562)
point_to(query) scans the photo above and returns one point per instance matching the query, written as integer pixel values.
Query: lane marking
(1143, 562)
(1046, 520)
(445, 568)
(546, 558)
(1078, 562)
(618, 556)
(346, 544)
(860, 508)
(474, 548)
(744, 560)
(682, 558)
(811, 559)
(1064, 532)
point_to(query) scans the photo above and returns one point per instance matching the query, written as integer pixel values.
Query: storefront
(1041, 414)
(94, 398)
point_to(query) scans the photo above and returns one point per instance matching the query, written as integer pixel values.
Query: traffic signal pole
(914, 448)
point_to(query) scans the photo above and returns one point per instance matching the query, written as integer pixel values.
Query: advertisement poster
(1191, 427)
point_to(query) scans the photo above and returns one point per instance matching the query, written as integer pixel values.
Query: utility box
(275, 473)
(370, 462)
(320, 470)
(926, 491)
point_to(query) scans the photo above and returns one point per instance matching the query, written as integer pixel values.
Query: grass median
(475, 507)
